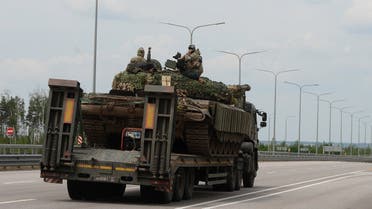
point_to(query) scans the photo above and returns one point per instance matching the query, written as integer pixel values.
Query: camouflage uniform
(136, 62)
(193, 67)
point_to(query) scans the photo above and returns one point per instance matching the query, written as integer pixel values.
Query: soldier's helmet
(192, 47)
(140, 52)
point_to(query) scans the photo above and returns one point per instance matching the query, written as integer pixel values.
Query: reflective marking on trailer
(125, 169)
(102, 167)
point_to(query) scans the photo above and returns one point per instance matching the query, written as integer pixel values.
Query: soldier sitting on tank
(139, 63)
(190, 64)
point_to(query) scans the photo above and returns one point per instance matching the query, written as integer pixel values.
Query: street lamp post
(361, 118)
(268, 133)
(299, 114)
(240, 57)
(371, 140)
(192, 30)
(286, 127)
(317, 116)
(351, 129)
(330, 116)
(95, 49)
(365, 138)
(341, 117)
(276, 74)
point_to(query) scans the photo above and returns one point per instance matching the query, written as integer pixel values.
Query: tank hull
(203, 127)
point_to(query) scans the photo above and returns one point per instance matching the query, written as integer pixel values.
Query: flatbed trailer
(98, 172)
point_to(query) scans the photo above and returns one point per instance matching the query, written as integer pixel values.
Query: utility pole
(95, 50)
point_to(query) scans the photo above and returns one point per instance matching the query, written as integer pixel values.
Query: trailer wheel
(147, 193)
(114, 190)
(189, 184)
(74, 190)
(238, 181)
(179, 184)
(248, 179)
(166, 197)
(231, 180)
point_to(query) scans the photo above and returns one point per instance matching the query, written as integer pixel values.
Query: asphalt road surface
(289, 185)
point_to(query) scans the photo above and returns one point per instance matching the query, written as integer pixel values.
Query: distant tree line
(28, 125)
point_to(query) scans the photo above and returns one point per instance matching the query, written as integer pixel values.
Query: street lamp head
(338, 100)
(326, 93)
(309, 85)
(343, 108)
(292, 83)
(364, 117)
(219, 23)
(315, 94)
(300, 86)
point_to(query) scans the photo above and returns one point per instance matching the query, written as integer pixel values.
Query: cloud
(111, 9)
(360, 12)
(23, 67)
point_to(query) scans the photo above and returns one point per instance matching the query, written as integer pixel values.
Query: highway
(289, 185)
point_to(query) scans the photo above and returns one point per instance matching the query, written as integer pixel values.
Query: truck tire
(114, 190)
(166, 197)
(149, 194)
(231, 180)
(179, 184)
(248, 179)
(189, 184)
(238, 181)
(74, 190)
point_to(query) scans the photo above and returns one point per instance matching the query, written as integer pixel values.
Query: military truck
(152, 137)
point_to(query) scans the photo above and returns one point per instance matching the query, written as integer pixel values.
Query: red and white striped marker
(80, 139)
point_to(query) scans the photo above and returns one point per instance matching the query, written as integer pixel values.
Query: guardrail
(6, 149)
(19, 160)
(290, 156)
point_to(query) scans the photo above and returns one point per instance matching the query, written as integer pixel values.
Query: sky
(329, 41)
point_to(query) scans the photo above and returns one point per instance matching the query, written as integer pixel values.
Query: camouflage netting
(202, 89)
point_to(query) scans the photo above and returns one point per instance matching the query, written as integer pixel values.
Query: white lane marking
(15, 201)
(18, 172)
(269, 189)
(277, 193)
(18, 182)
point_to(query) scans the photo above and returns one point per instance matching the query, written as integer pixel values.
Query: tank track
(201, 140)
